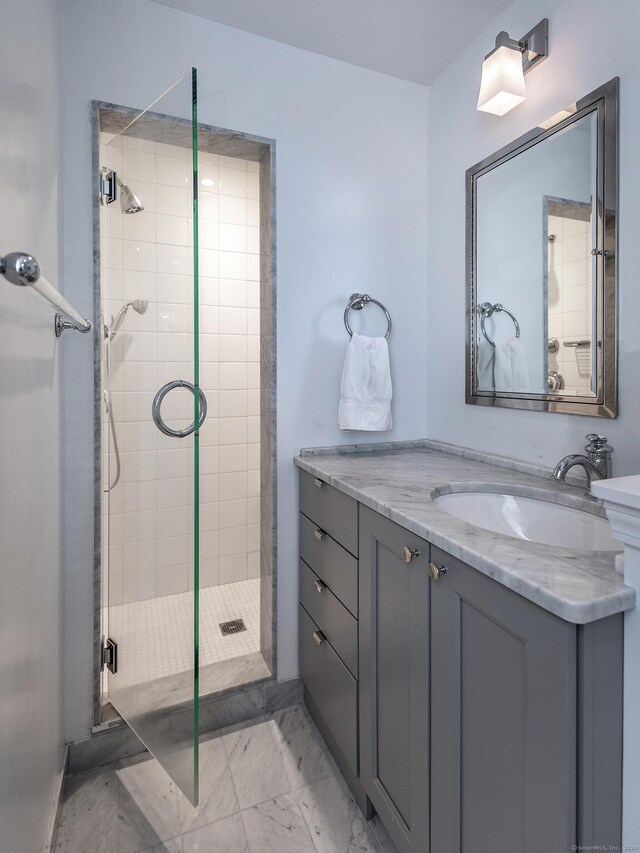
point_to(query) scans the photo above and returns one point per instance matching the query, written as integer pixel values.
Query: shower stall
(186, 558)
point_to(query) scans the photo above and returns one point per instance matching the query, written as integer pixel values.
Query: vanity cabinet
(394, 678)
(328, 621)
(471, 719)
(526, 721)
(504, 718)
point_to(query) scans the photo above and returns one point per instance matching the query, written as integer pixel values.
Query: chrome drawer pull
(409, 554)
(320, 587)
(319, 534)
(318, 483)
(319, 637)
(436, 571)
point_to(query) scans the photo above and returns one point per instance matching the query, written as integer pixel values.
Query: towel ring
(156, 414)
(357, 301)
(486, 310)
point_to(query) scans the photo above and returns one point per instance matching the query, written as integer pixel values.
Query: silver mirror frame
(605, 102)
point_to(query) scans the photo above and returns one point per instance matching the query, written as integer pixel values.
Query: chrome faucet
(596, 463)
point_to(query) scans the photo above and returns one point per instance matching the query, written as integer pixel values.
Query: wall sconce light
(502, 87)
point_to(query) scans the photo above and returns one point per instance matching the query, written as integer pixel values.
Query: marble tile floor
(266, 786)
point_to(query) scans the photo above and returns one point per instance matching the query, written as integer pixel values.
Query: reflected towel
(365, 389)
(484, 369)
(510, 367)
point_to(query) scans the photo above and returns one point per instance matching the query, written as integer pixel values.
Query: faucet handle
(598, 444)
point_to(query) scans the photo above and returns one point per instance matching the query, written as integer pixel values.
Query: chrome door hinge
(110, 655)
(108, 186)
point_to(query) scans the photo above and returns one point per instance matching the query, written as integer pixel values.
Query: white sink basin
(531, 519)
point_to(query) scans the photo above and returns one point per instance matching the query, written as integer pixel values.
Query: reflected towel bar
(486, 310)
(23, 269)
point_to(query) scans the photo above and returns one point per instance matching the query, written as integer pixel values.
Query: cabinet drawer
(333, 565)
(333, 511)
(332, 687)
(333, 619)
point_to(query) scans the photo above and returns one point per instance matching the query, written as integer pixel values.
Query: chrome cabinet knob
(409, 554)
(319, 637)
(320, 587)
(318, 483)
(319, 534)
(436, 571)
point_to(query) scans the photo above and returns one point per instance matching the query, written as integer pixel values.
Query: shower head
(109, 184)
(129, 201)
(138, 305)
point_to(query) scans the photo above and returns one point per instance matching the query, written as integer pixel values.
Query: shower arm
(23, 269)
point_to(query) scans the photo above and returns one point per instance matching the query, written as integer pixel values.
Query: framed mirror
(541, 265)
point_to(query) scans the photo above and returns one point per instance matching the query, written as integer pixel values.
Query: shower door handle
(156, 412)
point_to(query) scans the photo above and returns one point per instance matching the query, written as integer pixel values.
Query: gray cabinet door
(503, 719)
(394, 679)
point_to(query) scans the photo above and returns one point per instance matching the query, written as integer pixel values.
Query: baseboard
(56, 807)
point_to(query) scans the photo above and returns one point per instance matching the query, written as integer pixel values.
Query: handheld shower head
(138, 305)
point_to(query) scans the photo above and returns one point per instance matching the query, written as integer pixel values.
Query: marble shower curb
(118, 741)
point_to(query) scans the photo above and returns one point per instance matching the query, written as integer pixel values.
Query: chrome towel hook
(486, 310)
(357, 301)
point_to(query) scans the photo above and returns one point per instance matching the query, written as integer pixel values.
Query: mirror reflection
(541, 265)
(536, 293)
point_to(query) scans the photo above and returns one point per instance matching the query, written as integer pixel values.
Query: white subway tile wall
(148, 256)
(570, 295)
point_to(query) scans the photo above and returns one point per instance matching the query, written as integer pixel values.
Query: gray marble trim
(567, 208)
(97, 421)
(374, 447)
(577, 586)
(56, 808)
(117, 740)
(268, 411)
(174, 693)
(170, 130)
(107, 116)
(531, 468)
(434, 444)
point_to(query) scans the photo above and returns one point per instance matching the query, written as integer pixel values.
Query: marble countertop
(577, 586)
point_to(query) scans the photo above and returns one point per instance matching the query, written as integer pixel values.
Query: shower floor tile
(301, 805)
(155, 637)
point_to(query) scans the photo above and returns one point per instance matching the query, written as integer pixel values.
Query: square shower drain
(235, 626)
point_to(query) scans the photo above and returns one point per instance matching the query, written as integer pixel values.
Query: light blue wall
(588, 46)
(351, 208)
(584, 54)
(31, 661)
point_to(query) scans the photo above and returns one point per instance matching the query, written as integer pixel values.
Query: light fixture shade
(502, 87)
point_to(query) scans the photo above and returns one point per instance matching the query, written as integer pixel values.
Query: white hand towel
(502, 378)
(519, 369)
(365, 389)
(484, 369)
(510, 367)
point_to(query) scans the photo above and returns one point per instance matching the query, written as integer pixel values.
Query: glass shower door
(153, 411)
